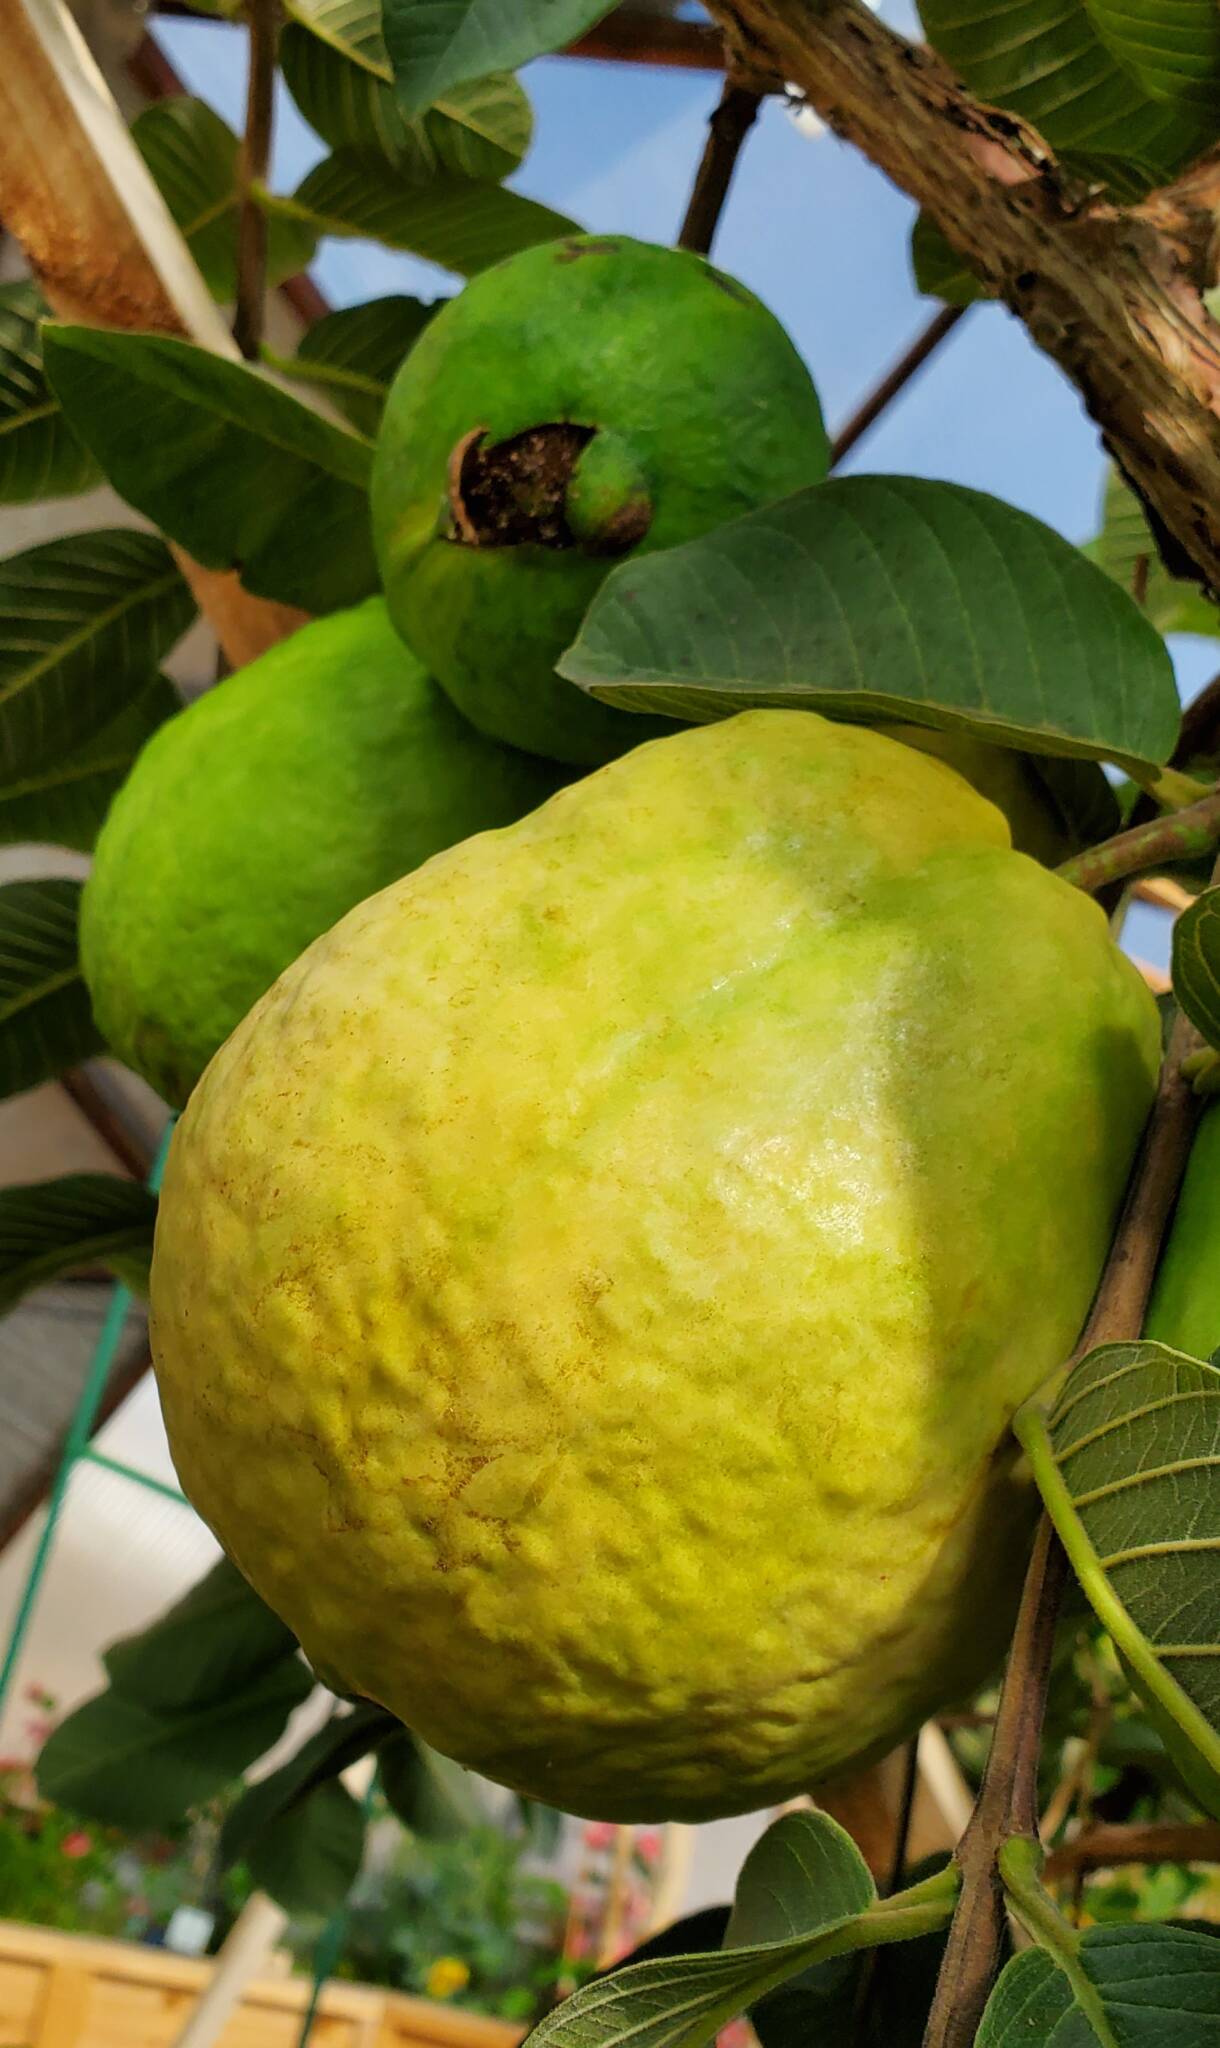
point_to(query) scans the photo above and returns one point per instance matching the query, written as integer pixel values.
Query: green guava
(593, 1285)
(1184, 1311)
(263, 812)
(582, 401)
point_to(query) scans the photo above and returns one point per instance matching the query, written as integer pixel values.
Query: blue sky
(818, 233)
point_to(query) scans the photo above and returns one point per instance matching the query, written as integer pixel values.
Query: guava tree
(708, 1271)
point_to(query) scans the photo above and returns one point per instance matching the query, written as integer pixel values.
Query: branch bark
(1113, 294)
(1180, 835)
(1107, 1847)
(731, 122)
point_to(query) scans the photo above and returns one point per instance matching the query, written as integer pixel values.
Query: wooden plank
(61, 2023)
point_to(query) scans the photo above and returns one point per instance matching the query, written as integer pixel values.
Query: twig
(253, 159)
(867, 414)
(1179, 835)
(1200, 731)
(1007, 1801)
(727, 130)
(1104, 1847)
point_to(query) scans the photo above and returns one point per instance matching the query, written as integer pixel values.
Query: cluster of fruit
(594, 1281)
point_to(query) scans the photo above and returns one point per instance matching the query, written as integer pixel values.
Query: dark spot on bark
(512, 494)
(1026, 280)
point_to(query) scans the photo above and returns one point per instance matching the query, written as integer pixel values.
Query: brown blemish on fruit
(512, 494)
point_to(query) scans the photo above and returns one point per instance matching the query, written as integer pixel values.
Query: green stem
(1173, 790)
(1182, 835)
(1020, 1860)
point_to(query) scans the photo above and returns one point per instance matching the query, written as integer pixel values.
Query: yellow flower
(447, 1975)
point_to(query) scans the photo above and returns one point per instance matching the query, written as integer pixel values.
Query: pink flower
(77, 1844)
(648, 1846)
(599, 1834)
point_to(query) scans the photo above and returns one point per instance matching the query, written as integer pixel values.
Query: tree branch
(252, 163)
(866, 415)
(1180, 835)
(727, 130)
(1112, 294)
(1105, 1847)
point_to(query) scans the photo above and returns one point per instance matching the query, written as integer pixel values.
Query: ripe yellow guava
(255, 818)
(584, 400)
(593, 1285)
(1185, 1307)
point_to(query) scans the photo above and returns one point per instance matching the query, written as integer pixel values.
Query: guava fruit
(257, 816)
(1184, 1311)
(592, 1286)
(584, 400)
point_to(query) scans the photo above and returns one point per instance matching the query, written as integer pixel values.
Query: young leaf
(435, 44)
(240, 473)
(46, 1023)
(480, 129)
(353, 27)
(804, 1896)
(939, 270)
(64, 802)
(128, 1765)
(1051, 63)
(84, 621)
(883, 598)
(342, 1742)
(462, 224)
(354, 354)
(52, 1227)
(1126, 1462)
(309, 1857)
(192, 155)
(217, 1639)
(1127, 552)
(1141, 1987)
(40, 456)
(1196, 963)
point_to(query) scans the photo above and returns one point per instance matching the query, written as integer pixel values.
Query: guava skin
(702, 397)
(592, 1287)
(263, 812)
(1184, 1311)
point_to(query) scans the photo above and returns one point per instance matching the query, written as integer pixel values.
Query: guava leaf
(132, 1766)
(84, 622)
(53, 1227)
(1127, 1462)
(435, 44)
(804, 1896)
(462, 224)
(262, 1807)
(354, 354)
(480, 129)
(46, 1022)
(938, 269)
(64, 802)
(217, 1639)
(309, 1856)
(353, 27)
(1196, 963)
(431, 1795)
(1066, 66)
(192, 155)
(1147, 1987)
(40, 456)
(237, 471)
(1125, 549)
(881, 598)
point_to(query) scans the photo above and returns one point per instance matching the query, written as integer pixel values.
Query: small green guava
(584, 400)
(252, 820)
(1184, 1311)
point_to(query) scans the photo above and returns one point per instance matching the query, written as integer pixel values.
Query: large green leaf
(236, 470)
(40, 456)
(353, 355)
(46, 1023)
(309, 1857)
(352, 27)
(342, 1742)
(1049, 61)
(53, 1227)
(804, 1896)
(1125, 1987)
(1127, 1462)
(1171, 47)
(883, 598)
(430, 1794)
(462, 224)
(217, 1639)
(436, 44)
(480, 129)
(64, 802)
(1196, 963)
(193, 157)
(131, 1766)
(84, 622)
